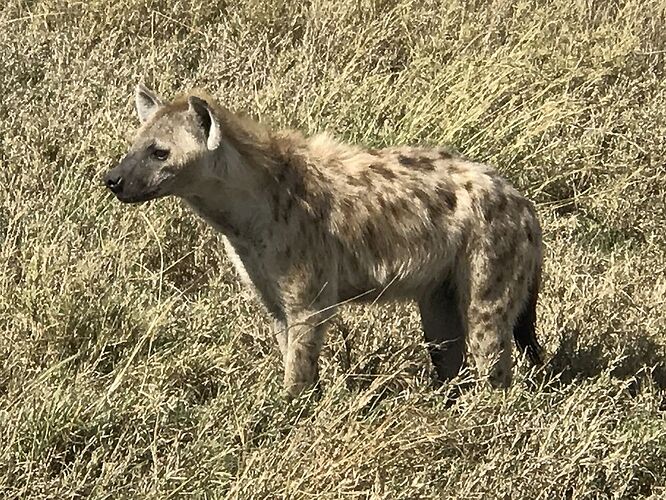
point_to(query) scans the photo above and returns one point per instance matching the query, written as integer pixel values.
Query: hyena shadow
(577, 357)
(626, 356)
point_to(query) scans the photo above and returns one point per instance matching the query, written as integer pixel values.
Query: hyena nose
(114, 183)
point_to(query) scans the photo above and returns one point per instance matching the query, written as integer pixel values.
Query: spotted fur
(310, 222)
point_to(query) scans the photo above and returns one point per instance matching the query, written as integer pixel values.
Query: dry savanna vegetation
(132, 363)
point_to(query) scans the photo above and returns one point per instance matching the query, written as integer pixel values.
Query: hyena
(311, 222)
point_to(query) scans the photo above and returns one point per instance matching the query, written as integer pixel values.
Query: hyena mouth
(138, 190)
(140, 193)
(138, 197)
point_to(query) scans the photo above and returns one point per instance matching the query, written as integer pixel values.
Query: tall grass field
(133, 364)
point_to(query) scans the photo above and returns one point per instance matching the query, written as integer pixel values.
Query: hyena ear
(208, 121)
(147, 102)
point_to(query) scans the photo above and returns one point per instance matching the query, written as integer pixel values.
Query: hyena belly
(390, 278)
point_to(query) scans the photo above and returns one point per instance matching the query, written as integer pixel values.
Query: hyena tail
(524, 331)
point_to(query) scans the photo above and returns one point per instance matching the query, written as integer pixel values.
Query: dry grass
(132, 365)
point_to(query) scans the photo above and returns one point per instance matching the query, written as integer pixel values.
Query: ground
(133, 364)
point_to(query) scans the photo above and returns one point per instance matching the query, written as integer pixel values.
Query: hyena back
(311, 223)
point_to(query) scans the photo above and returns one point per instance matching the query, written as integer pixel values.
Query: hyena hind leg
(524, 331)
(492, 311)
(444, 331)
(490, 346)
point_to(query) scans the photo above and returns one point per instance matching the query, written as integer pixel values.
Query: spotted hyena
(311, 222)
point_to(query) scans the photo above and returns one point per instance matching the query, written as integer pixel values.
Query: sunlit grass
(132, 363)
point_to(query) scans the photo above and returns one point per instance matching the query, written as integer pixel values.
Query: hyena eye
(161, 154)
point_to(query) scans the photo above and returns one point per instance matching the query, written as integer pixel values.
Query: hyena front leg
(280, 333)
(309, 296)
(444, 330)
(306, 332)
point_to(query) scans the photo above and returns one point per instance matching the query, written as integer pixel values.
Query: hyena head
(171, 150)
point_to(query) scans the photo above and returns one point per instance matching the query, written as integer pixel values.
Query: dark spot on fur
(354, 181)
(433, 205)
(395, 210)
(469, 186)
(373, 152)
(276, 207)
(524, 203)
(300, 190)
(501, 202)
(490, 293)
(422, 162)
(372, 237)
(528, 233)
(408, 161)
(485, 317)
(502, 259)
(448, 196)
(287, 209)
(347, 208)
(382, 170)
(436, 210)
(488, 214)
(445, 154)
(421, 195)
(479, 334)
(280, 177)
(425, 163)
(370, 233)
(366, 178)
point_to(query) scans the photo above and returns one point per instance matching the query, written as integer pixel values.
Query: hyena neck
(238, 194)
(237, 211)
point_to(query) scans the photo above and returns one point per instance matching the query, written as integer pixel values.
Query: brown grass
(132, 365)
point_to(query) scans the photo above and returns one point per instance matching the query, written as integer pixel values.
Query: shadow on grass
(635, 357)
(626, 356)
